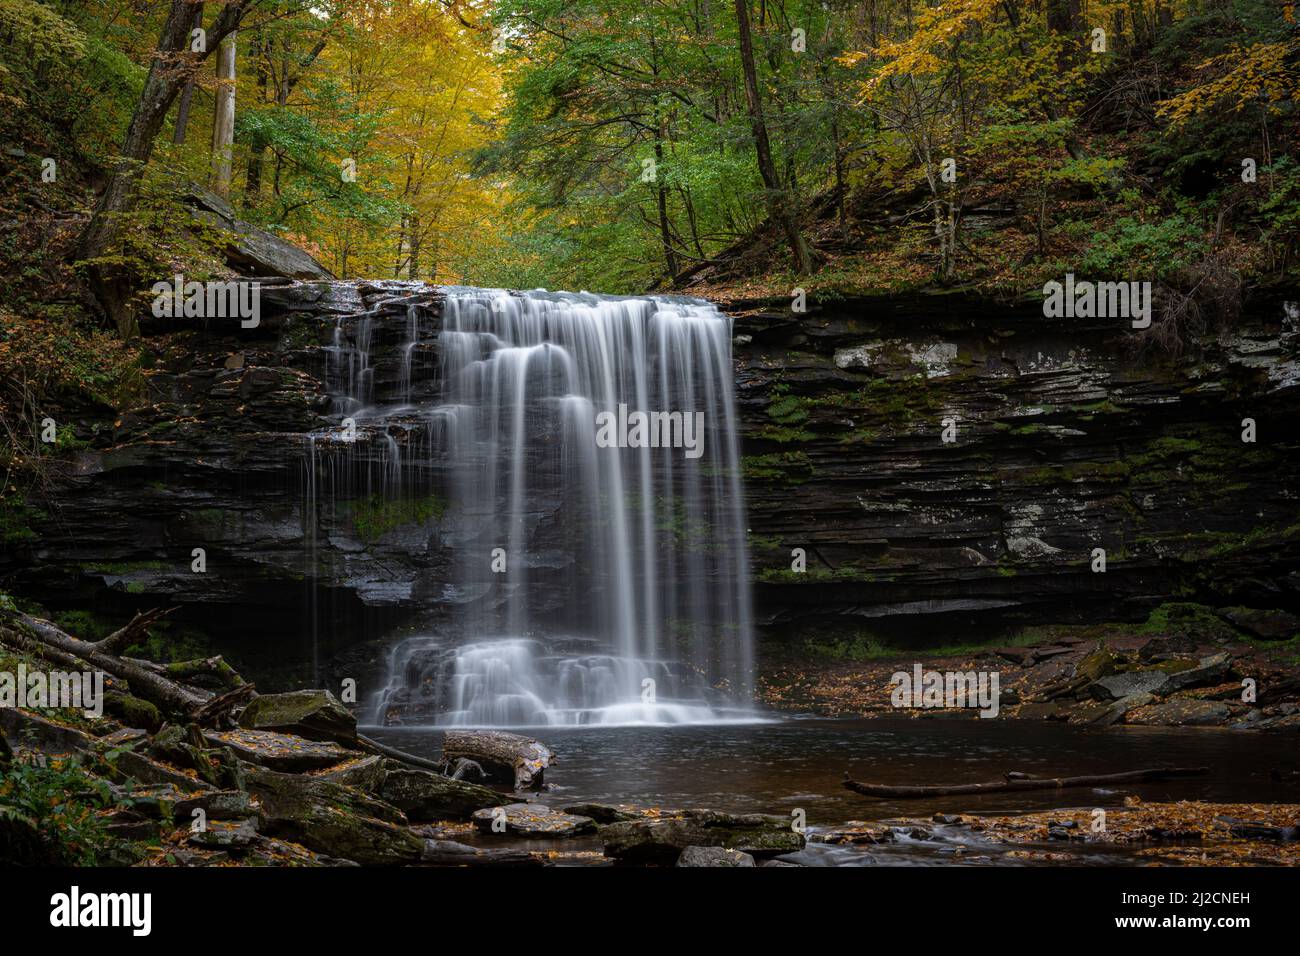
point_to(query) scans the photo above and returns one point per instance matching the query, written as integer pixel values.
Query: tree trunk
(777, 202)
(413, 247)
(187, 95)
(172, 66)
(223, 118)
(257, 148)
(510, 758)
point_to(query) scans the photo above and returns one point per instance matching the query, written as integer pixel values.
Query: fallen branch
(138, 626)
(1026, 783)
(171, 697)
(399, 755)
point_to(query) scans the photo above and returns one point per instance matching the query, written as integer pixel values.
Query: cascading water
(589, 584)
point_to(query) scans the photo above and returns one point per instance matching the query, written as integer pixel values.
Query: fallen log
(1013, 783)
(166, 694)
(507, 758)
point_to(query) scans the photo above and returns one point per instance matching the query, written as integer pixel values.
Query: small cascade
(589, 559)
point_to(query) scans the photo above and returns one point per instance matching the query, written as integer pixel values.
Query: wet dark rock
(1119, 686)
(218, 805)
(425, 795)
(226, 835)
(531, 820)
(451, 853)
(713, 856)
(366, 774)
(1209, 671)
(330, 818)
(1266, 625)
(1167, 648)
(662, 839)
(1181, 713)
(279, 751)
(314, 714)
(602, 812)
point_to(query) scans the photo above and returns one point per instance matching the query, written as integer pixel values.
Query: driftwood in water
(508, 758)
(1013, 783)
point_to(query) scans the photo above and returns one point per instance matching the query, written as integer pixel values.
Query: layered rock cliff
(1064, 440)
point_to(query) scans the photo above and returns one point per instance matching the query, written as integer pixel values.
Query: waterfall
(589, 584)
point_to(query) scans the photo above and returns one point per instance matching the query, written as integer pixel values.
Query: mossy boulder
(662, 840)
(425, 795)
(330, 818)
(314, 714)
(1102, 662)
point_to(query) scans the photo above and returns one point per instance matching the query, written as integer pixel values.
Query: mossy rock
(133, 711)
(1100, 663)
(662, 840)
(424, 795)
(314, 714)
(333, 819)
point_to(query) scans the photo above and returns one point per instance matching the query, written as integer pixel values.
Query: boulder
(314, 714)
(713, 856)
(226, 835)
(425, 795)
(33, 732)
(330, 818)
(1210, 671)
(1100, 663)
(218, 805)
(248, 249)
(1119, 686)
(279, 751)
(1181, 713)
(531, 820)
(662, 839)
(603, 812)
(451, 853)
(1265, 625)
(364, 773)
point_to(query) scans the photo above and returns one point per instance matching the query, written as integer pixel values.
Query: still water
(787, 764)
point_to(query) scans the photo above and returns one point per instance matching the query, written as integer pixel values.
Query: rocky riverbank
(1186, 666)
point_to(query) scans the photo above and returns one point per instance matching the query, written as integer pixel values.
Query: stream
(790, 763)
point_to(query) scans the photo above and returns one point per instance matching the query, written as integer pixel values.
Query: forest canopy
(843, 146)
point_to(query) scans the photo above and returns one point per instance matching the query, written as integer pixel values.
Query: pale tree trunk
(777, 201)
(223, 119)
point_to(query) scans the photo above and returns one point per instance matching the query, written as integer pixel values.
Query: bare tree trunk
(223, 119)
(777, 201)
(187, 95)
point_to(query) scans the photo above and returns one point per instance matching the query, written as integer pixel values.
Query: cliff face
(1065, 441)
